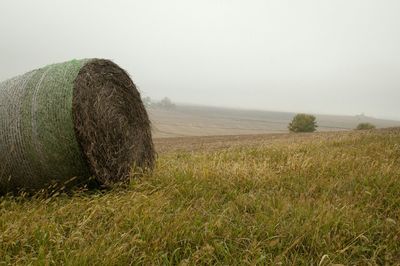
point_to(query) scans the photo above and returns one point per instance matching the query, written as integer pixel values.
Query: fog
(318, 56)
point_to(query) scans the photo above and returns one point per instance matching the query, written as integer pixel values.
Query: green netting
(37, 139)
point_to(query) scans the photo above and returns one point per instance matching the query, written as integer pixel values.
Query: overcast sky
(320, 56)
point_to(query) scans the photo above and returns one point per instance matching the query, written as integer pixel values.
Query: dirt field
(186, 120)
(209, 143)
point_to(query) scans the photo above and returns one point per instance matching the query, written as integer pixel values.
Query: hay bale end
(72, 121)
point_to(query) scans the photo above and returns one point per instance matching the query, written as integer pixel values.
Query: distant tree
(147, 101)
(303, 123)
(166, 103)
(365, 126)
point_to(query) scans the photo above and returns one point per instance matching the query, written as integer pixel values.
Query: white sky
(321, 56)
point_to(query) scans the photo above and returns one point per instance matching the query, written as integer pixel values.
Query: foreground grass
(322, 200)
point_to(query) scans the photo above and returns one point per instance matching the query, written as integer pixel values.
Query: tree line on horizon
(164, 103)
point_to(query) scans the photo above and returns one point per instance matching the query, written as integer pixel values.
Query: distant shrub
(147, 102)
(166, 103)
(303, 123)
(365, 126)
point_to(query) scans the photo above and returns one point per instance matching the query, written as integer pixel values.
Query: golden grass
(331, 199)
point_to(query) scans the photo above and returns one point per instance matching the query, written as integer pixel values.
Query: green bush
(365, 126)
(303, 123)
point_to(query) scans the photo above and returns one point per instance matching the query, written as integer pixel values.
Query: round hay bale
(72, 121)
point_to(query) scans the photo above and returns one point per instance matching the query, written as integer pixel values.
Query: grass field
(307, 199)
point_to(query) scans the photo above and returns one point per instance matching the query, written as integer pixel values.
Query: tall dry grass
(316, 201)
